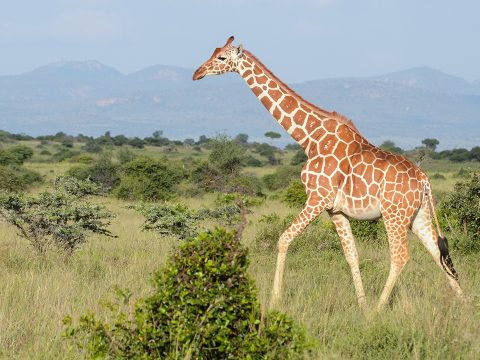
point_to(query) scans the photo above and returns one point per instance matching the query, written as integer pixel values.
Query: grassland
(423, 319)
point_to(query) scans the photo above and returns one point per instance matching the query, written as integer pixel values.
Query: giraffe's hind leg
(422, 227)
(397, 239)
(351, 255)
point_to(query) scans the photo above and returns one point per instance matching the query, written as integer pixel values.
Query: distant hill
(89, 97)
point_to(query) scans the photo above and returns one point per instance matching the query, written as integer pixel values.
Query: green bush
(148, 179)
(245, 184)
(368, 230)
(204, 306)
(438, 176)
(299, 158)
(165, 219)
(15, 155)
(295, 195)
(461, 210)
(180, 221)
(281, 178)
(320, 235)
(103, 172)
(207, 177)
(14, 178)
(56, 219)
(227, 154)
(63, 154)
(252, 161)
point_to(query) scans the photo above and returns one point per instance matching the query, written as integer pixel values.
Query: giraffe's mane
(328, 114)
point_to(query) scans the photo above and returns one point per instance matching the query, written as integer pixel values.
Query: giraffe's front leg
(351, 255)
(306, 216)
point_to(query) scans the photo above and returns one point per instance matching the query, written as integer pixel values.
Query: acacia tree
(430, 143)
(61, 218)
(272, 135)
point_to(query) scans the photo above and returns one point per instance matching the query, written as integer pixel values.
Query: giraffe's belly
(364, 209)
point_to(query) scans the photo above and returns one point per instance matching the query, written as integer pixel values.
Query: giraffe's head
(224, 59)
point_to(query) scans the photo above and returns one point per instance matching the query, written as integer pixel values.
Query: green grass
(423, 319)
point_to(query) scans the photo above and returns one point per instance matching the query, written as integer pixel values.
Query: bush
(15, 155)
(58, 218)
(461, 209)
(103, 172)
(63, 154)
(148, 179)
(295, 195)
(17, 178)
(179, 220)
(438, 176)
(208, 177)
(204, 306)
(299, 158)
(171, 220)
(227, 154)
(320, 235)
(252, 161)
(281, 178)
(245, 184)
(368, 230)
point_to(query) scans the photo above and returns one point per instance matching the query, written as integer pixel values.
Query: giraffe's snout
(198, 74)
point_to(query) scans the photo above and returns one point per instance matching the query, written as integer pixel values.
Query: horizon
(73, 61)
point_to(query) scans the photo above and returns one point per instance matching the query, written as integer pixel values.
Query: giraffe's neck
(302, 120)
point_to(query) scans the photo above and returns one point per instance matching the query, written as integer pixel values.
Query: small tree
(227, 154)
(60, 218)
(430, 143)
(272, 135)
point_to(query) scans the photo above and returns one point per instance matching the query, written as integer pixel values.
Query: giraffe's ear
(240, 50)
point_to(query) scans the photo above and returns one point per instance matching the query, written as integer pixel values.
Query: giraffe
(344, 175)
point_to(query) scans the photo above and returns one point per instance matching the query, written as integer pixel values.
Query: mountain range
(89, 97)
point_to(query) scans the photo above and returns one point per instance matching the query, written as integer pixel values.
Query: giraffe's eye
(221, 58)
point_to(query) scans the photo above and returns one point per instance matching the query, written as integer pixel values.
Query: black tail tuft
(445, 258)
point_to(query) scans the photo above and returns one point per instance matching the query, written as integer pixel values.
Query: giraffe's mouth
(199, 74)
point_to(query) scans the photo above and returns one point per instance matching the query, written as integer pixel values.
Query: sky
(297, 39)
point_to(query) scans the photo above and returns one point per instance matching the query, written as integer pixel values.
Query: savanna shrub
(295, 195)
(207, 177)
(17, 178)
(181, 221)
(227, 154)
(461, 210)
(319, 235)
(56, 219)
(438, 176)
(368, 230)
(299, 158)
(245, 184)
(204, 306)
(148, 179)
(281, 178)
(15, 155)
(102, 172)
(168, 219)
(63, 154)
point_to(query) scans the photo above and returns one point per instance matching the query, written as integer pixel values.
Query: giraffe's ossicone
(344, 175)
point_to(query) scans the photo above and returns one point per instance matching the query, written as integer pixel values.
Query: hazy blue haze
(299, 39)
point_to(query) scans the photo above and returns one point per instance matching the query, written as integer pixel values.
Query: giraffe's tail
(442, 241)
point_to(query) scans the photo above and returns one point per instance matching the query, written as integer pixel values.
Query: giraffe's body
(344, 175)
